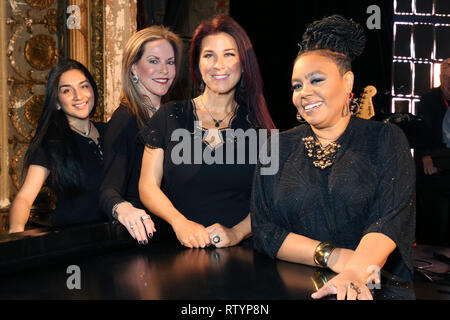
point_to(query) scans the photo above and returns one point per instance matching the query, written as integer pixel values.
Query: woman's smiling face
(320, 91)
(156, 68)
(219, 63)
(75, 95)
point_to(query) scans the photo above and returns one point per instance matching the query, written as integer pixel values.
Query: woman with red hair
(207, 202)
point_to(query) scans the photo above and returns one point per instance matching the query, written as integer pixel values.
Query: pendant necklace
(87, 133)
(217, 123)
(150, 108)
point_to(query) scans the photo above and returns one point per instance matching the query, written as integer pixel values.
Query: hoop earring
(134, 78)
(346, 108)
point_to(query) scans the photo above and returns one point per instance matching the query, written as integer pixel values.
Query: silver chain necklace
(87, 133)
(217, 123)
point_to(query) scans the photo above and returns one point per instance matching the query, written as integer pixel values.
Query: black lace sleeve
(153, 133)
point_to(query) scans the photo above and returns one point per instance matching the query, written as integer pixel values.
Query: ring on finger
(355, 287)
(132, 226)
(216, 239)
(145, 217)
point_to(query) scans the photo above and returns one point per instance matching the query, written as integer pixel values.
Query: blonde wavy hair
(134, 49)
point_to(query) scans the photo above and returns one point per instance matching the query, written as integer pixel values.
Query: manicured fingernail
(150, 235)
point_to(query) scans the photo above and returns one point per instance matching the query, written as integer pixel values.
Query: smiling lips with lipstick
(312, 106)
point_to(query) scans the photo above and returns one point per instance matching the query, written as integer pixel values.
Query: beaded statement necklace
(324, 156)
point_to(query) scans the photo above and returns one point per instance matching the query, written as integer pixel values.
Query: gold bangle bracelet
(322, 253)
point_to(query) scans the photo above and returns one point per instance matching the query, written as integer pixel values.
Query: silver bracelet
(114, 213)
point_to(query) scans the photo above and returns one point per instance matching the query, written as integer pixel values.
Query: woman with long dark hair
(66, 151)
(207, 202)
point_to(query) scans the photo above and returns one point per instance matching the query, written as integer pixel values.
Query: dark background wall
(276, 27)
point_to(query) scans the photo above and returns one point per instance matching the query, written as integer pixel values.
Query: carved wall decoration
(97, 61)
(41, 4)
(41, 52)
(33, 49)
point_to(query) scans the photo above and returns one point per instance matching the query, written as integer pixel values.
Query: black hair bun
(334, 33)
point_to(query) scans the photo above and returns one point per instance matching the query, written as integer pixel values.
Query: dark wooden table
(100, 262)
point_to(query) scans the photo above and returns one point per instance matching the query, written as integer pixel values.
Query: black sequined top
(369, 188)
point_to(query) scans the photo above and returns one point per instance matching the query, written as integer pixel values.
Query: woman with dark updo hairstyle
(344, 195)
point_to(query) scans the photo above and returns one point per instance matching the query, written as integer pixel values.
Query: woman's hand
(339, 258)
(225, 237)
(346, 285)
(428, 165)
(190, 233)
(137, 221)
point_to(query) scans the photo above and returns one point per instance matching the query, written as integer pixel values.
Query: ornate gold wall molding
(120, 24)
(32, 49)
(4, 123)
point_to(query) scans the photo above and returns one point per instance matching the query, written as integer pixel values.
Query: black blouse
(369, 188)
(82, 207)
(204, 193)
(123, 158)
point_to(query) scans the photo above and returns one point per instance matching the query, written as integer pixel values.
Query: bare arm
(373, 250)
(21, 206)
(189, 233)
(231, 236)
(300, 249)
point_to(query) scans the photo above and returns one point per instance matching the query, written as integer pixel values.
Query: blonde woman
(149, 67)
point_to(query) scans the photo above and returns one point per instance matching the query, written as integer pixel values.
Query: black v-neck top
(369, 188)
(204, 192)
(83, 207)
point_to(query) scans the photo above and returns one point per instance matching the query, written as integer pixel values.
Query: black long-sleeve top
(369, 188)
(122, 162)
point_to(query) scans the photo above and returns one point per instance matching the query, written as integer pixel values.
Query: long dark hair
(249, 91)
(54, 136)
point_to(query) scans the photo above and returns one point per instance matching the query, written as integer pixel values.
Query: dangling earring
(354, 104)
(134, 78)
(299, 117)
(346, 108)
(58, 107)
